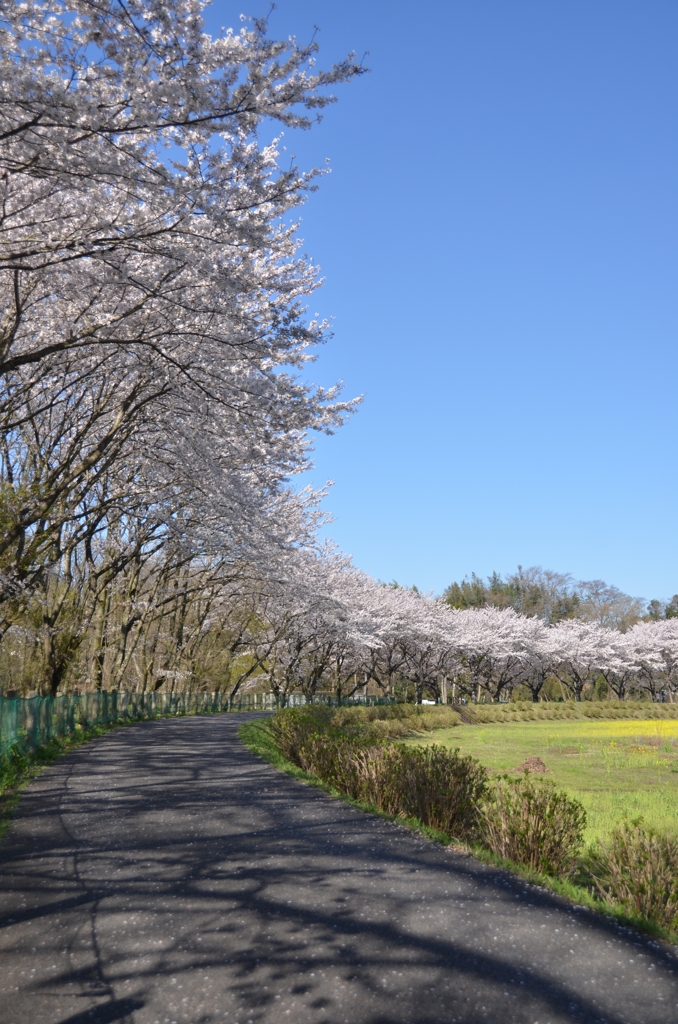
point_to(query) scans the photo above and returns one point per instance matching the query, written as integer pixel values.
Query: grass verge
(258, 738)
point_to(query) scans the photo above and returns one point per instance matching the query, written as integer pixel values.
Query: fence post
(6, 732)
(32, 721)
(21, 724)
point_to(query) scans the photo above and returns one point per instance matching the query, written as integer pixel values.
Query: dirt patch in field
(532, 765)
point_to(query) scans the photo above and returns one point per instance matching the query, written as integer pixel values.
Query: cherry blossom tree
(581, 650)
(651, 648)
(153, 322)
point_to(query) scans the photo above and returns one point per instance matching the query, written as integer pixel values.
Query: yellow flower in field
(642, 730)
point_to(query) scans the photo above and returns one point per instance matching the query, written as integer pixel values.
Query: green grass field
(617, 769)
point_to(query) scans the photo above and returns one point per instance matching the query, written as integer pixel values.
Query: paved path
(162, 874)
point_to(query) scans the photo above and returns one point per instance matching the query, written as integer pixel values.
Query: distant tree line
(554, 596)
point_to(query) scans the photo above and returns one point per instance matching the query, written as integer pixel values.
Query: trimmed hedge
(526, 711)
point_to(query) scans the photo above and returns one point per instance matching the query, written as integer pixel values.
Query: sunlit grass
(626, 768)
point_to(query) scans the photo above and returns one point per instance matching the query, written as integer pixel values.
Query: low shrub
(294, 728)
(387, 729)
(430, 718)
(533, 823)
(376, 713)
(403, 718)
(437, 786)
(637, 869)
(369, 723)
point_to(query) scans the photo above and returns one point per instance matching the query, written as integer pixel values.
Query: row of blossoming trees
(154, 401)
(318, 624)
(332, 627)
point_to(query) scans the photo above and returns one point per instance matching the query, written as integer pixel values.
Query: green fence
(28, 723)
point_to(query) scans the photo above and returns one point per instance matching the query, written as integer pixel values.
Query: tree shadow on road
(205, 885)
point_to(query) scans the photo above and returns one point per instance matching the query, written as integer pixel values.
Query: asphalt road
(162, 874)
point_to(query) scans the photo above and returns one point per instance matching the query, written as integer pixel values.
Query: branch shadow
(204, 875)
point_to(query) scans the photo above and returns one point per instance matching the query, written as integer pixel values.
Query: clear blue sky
(499, 236)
